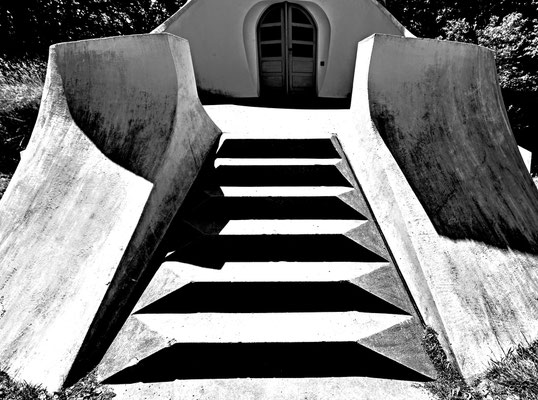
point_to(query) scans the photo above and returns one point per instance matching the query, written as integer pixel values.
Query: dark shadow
(297, 102)
(471, 182)
(270, 297)
(129, 119)
(214, 251)
(278, 148)
(264, 360)
(278, 175)
(227, 208)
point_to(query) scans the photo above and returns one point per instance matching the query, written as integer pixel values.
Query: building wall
(222, 36)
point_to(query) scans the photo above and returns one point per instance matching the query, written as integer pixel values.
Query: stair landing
(277, 122)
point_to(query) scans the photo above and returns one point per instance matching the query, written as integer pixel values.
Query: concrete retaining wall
(450, 191)
(119, 139)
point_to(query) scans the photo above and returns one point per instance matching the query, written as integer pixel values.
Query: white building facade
(248, 48)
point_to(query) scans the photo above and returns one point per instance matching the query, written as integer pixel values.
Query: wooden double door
(287, 39)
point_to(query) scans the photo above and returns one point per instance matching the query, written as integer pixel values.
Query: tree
(509, 28)
(29, 27)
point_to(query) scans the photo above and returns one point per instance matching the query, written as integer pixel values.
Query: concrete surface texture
(449, 189)
(355, 388)
(277, 282)
(224, 34)
(92, 197)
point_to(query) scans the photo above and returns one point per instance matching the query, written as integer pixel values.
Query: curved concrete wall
(451, 193)
(119, 139)
(222, 36)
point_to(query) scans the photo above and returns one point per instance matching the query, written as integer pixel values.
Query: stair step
(235, 361)
(245, 162)
(226, 207)
(289, 227)
(274, 328)
(276, 271)
(276, 148)
(214, 251)
(269, 297)
(281, 191)
(280, 175)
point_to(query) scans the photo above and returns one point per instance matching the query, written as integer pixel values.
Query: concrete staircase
(276, 269)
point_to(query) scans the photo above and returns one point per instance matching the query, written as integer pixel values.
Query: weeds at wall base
(86, 389)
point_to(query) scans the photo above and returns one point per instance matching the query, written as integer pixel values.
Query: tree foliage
(29, 27)
(509, 28)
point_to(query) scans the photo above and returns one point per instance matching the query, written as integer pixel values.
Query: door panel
(272, 67)
(303, 66)
(302, 42)
(287, 50)
(272, 50)
(302, 82)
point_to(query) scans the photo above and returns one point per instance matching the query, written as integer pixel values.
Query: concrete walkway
(277, 122)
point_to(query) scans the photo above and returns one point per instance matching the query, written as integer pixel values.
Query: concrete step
(283, 227)
(236, 162)
(245, 147)
(232, 361)
(219, 207)
(270, 297)
(279, 191)
(276, 271)
(213, 251)
(270, 328)
(280, 175)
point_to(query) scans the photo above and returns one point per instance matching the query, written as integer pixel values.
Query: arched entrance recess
(287, 43)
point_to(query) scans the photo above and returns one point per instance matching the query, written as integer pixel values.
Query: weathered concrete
(276, 389)
(119, 139)
(430, 139)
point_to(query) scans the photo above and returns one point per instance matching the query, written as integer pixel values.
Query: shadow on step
(270, 297)
(278, 148)
(215, 251)
(280, 175)
(227, 208)
(263, 360)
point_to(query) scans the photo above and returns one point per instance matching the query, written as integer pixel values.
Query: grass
(21, 85)
(513, 377)
(85, 389)
(449, 384)
(516, 375)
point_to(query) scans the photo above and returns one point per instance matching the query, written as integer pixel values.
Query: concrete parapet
(446, 182)
(119, 139)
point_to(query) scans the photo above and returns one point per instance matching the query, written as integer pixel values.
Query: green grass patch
(86, 389)
(513, 377)
(449, 384)
(21, 85)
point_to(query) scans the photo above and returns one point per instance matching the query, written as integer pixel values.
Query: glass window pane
(303, 50)
(300, 33)
(299, 17)
(271, 50)
(272, 16)
(270, 33)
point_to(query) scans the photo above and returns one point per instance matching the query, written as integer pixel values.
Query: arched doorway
(287, 38)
